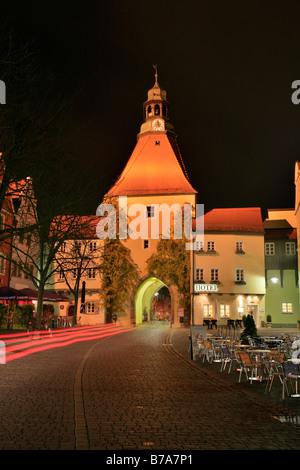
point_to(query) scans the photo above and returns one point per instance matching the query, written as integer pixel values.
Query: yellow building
(229, 272)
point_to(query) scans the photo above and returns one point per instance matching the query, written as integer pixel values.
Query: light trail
(60, 339)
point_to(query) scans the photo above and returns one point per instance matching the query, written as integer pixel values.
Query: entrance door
(253, 310)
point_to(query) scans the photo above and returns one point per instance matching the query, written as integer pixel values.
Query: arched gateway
(150, 304)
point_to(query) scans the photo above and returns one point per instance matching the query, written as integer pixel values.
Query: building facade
(281, 262)
(229, 279)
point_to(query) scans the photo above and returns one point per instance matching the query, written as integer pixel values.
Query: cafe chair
(250, 367)
(291, 373)
(208, 351)
(273, 366)
(227, 357)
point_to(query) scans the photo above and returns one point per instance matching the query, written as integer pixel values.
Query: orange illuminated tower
(154, 175)
(155, 166)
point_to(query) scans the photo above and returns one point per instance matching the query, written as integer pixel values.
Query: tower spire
(156, 74)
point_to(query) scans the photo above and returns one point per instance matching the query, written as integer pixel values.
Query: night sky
(227, 67)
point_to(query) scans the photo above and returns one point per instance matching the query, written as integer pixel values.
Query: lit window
(269, 249)
(239, 275)
(208, 310)
(214, 275)
(224, 311)
(200, 274)
(290, 248)
(287, 307)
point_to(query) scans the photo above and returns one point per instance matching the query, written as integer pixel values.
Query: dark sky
(227, 67)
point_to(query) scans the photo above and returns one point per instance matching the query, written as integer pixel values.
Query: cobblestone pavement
(136, 391)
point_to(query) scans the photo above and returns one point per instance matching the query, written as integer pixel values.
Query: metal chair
(249, 365)
(208, 351)
(227, 357)
(273, 366)
(291, 373)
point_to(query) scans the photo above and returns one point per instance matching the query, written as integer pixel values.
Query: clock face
(158, 125)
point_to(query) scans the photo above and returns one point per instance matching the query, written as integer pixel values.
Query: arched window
(149, 111)
(157, 110)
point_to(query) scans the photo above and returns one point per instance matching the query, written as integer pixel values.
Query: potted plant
(269, 321)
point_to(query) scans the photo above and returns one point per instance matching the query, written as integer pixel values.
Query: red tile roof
(244, 219)
(153, 169)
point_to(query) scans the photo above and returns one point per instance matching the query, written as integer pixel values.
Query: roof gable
(244, 219)
(153, 168)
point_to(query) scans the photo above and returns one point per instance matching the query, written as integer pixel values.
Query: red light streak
(60, 339)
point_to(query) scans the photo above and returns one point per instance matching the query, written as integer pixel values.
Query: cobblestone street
(138, 390)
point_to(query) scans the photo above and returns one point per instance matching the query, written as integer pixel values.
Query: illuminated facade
(281, 260)
(229, 275)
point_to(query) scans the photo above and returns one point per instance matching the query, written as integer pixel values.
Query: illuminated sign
(205, 288)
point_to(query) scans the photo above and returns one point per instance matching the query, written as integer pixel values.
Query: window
(2, 265)
(92, 246)
(199, 246)
(146, 244)
(224, 311)
(200, 274)
(290, 248)
(214, 275)
(61, 274)
(286, 307)
(77, 246)
(239, 247)
(157, 142)
(90, 307)
(91, 273)
(74, 273)
(150, 211)
(269, 249)
(208, 310)
(157, 110)
(210, 246)
(239, 275)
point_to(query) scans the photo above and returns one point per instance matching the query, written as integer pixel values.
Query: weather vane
(155, 68)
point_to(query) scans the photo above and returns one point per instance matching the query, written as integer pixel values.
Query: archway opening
(152, 301)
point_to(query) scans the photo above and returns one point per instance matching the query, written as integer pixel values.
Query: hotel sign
(205, 288)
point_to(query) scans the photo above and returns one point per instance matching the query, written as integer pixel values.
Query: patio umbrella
(48, 296)
(9, 293)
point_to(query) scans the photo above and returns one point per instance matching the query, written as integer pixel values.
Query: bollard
(2, 353)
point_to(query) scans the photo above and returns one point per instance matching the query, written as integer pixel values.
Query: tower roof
(153, 168)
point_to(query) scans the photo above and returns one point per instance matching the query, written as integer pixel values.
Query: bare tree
(78, 259)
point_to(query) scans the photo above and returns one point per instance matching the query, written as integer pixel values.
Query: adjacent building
(281, 264)
(229, 270)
